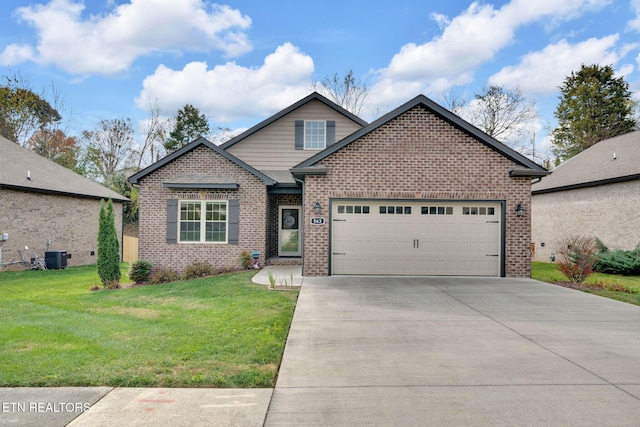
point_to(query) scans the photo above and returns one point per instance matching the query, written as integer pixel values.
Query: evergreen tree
(189, 125)
(593, 106)
(108, 247)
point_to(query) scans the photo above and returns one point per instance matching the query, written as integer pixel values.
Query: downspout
(304, 224)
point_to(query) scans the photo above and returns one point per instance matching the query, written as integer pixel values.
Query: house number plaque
(317, 221)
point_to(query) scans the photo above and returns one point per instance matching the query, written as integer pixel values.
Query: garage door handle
(343, 220)
(339, 253)
(493, 255)
(493, 222)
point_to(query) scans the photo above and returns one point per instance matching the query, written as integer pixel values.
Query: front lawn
(221, 331)
(595, 284)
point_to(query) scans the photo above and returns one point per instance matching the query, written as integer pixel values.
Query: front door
(289, 233)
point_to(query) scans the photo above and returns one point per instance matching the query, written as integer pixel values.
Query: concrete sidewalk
(284, 276)
(107, 407)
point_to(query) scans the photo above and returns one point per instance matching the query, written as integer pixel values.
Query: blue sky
(241, 61)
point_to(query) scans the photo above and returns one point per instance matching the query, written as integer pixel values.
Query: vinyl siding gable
(274, 147)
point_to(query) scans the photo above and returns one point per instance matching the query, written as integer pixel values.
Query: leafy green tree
(22, 111)
(108, 248)
(190, 124)
(594, 105)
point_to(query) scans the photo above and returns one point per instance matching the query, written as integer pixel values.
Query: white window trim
(203, 222)
(304, 135)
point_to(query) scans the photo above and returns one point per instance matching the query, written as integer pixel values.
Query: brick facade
(417, 155)
(253, 221)
(71, 223)
(608, 212)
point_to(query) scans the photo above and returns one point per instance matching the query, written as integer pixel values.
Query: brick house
(594, 194)
(47, 207)
(418, 191)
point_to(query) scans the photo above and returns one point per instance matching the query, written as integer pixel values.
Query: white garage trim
(409, 237)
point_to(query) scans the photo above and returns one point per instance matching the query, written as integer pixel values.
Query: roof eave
(301, 172)
(64, 193)
(527, 173)
(587, 184)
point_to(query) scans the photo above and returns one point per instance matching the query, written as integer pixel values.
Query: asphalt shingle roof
(610, 160)
(17, 164)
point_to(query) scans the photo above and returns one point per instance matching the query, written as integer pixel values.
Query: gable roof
(23, 169)
(135, 179)
(527, 167)
(279, 115)
(611, 160)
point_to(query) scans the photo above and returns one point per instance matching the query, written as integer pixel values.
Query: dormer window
(315, 135)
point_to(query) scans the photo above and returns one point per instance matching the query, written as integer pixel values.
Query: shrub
(246, 260)
(164, 275)
(140, 271)
(619, 261)
(108, 248)
(198, 269)
(576, 257)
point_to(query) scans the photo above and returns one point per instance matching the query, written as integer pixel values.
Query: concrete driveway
(457, 351)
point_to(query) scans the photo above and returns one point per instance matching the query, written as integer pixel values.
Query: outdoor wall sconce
(316, 208)
(519, 210)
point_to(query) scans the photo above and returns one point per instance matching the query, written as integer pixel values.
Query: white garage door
(409, 238)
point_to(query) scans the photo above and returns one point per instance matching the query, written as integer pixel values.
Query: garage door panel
(425, 238)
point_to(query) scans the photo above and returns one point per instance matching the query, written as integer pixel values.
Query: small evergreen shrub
(619, 261)
(246, 260)
(198, 269)
(108, 248)
(576, 257)
(140, 271)
(164, 275)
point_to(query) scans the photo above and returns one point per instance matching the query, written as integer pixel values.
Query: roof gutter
(528, 173)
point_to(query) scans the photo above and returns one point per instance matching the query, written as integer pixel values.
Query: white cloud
(634, 24)
(545, 70)
(109, 44)
(467, 41)
(229, 91)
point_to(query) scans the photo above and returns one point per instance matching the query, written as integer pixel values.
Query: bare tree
(154, 132)
(501, 113)
(348, 92)
(108, 148)
(453, 100)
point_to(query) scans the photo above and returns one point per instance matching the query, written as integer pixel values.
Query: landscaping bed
(614, 286)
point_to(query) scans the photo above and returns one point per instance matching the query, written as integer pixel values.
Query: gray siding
(273, 148)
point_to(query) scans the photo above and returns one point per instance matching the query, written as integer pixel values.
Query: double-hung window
(203, 221)
(315, 135)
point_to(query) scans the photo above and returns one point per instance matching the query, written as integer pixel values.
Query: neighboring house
(417, 192)
(47, 207)
(594, 194)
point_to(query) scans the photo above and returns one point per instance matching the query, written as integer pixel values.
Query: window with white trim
(315, 135)
(203, 221)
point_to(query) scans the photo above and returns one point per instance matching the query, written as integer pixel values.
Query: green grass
(548, 272)
(221, 331)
